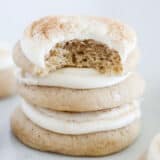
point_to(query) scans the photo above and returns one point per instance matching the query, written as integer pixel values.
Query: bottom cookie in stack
(94, 133)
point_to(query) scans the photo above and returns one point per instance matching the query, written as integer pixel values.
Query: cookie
(74, 100)
(7, 79)
(96, 144)
(55, 42)
(153, 152)
(7, 82)
(27, 66)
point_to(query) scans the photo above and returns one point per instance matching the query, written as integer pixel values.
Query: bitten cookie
(21, 61)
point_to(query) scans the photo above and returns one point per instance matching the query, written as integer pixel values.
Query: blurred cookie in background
(7, 80)
(153, 152)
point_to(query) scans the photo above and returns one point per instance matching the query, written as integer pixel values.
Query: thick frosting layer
(82, 123)
(78, 78)
(154, 149)
(5, 56)
(42, 35)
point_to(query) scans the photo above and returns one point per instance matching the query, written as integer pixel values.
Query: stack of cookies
(78, 86)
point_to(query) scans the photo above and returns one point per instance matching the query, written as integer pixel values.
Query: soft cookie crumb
(84, 54)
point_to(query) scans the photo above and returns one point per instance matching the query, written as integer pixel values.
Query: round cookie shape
(96, 144)
(41, 36)
(81, 100)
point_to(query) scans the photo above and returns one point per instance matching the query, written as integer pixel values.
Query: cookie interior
(86, 53)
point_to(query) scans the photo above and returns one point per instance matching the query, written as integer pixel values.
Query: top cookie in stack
(78, 82)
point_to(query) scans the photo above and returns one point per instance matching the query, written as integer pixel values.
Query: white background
(143, 15)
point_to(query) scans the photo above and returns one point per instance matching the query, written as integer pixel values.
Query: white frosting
(154, 149)
(78, 78)
(35, 48)
(82, 123)
(5, 56)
